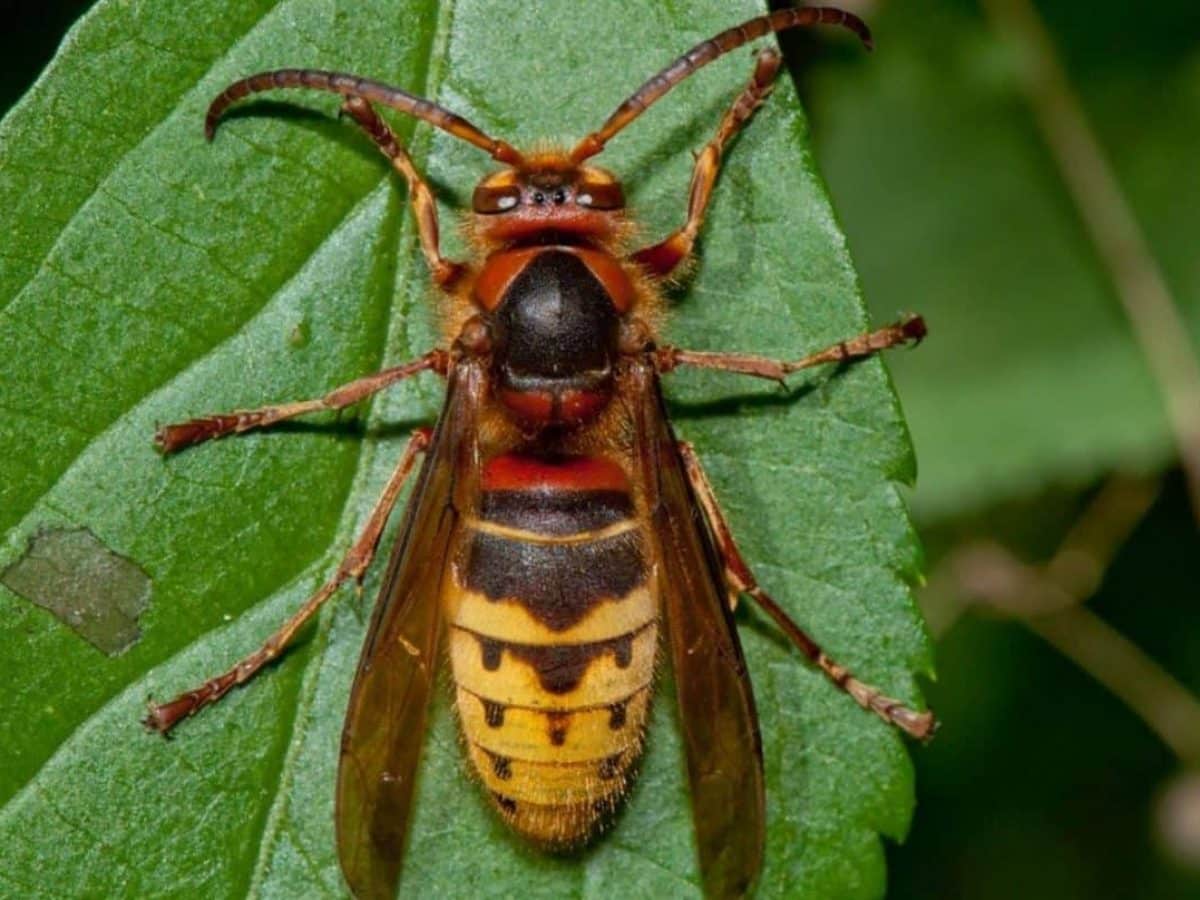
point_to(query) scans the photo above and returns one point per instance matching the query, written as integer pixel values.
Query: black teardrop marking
(610, 767)
(491, 653)
(493, 713)
(502, 766)
(616, 715)
(623, 651)
(558, 728)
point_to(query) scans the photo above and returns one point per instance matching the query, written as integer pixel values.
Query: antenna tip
(210, 122)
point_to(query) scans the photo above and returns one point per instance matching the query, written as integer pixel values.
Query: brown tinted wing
(720, 726)
(385, 723)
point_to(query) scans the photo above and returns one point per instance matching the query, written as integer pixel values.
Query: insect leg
(420, 196)
(920, 725)
(165, 716)
(906, 331)
(171, 438)
(662, 258)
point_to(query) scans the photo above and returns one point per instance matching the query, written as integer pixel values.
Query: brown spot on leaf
(94, 591)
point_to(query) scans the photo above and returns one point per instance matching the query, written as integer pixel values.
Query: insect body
(558, 530)
(550, 599)
(553, 636)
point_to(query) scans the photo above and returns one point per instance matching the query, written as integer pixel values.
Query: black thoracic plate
(555, 321)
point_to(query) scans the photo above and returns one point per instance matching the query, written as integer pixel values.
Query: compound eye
(491, 200)
(600, 196)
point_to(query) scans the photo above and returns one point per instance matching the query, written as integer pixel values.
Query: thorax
(554, 313)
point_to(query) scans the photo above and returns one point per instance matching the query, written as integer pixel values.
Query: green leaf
(149, 276)
(955, 208)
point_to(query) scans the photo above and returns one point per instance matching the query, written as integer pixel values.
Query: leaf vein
(125, 155)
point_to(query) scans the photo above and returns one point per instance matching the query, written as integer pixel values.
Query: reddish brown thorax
(551, 294)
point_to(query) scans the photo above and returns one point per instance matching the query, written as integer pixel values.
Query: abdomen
(553, 638)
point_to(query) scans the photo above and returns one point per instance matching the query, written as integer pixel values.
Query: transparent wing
(385, 723)
(720, 726)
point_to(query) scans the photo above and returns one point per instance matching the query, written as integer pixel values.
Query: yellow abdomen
(553, 622)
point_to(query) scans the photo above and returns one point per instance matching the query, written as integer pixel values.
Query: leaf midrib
(26, 521)
(418, 149)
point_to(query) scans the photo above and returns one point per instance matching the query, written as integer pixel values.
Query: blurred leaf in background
(1037, 419)
(1033, 378)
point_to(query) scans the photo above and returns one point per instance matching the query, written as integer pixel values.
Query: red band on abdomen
(517, 471)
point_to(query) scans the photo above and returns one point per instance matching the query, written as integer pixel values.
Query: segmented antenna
(704, 53)
(353, 86)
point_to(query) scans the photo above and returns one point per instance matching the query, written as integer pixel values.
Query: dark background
(30, 33)
(1050, 777)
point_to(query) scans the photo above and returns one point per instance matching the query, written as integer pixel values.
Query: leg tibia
(920, 725)
(163, 717)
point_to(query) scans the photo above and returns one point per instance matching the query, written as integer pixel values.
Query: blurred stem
(1122, 667)
(1160, 330)
(985, 569)
(1048, 600)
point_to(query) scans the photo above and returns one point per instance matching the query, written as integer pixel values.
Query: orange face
(548, 196)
